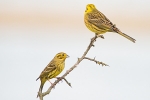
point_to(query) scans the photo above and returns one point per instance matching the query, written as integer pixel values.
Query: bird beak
(68, 56)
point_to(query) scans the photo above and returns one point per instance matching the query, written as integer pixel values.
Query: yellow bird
(98, 23)
(54, 68)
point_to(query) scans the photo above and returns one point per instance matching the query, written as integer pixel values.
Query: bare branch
(40, 95)
(74, 66)
(97, 62)
(65, 80)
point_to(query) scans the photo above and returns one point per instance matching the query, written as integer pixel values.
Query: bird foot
(101, 36)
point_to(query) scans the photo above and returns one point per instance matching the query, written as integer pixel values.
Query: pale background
(33, 31)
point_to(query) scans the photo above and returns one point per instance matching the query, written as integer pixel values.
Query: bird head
(61, 56)
(90, 8)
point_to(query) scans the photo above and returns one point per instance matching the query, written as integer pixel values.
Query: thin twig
(97, 62)
(65, 80)
(68, 71)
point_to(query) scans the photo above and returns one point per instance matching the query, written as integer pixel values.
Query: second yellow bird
(99, 23)
(54, 68)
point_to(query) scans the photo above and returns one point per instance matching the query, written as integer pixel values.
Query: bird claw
(101, 36)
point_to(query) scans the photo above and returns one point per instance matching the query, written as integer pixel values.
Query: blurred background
(33, 31)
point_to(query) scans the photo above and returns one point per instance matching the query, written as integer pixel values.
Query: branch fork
(91, 44)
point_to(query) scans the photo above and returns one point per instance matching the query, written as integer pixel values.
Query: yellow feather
(53, 69)
(98, 23)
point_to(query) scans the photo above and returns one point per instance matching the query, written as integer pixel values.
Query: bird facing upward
(54, 68)
(98, 23)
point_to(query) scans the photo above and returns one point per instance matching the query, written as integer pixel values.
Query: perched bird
(54, 68)
(99, 23)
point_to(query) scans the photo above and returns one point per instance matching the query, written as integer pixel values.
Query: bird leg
(101, 36)
(50, 81)
(94, 38)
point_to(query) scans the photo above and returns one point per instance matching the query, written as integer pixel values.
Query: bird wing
(101, 21)
(49, 68)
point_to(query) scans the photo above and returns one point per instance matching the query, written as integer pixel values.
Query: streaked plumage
(54, 68)
(99, 23)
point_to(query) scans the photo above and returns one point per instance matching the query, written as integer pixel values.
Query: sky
(32, 32)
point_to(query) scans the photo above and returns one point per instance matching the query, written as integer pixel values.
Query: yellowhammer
(99, 23)
(54, 68)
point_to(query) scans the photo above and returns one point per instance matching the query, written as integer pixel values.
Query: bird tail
(126, 36)
(115, 29)
(37, 78)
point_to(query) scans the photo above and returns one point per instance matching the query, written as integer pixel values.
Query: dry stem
(41, 95)
(97, 62)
